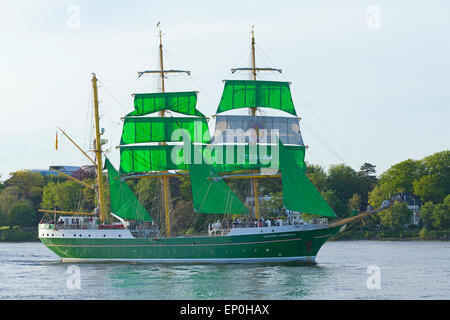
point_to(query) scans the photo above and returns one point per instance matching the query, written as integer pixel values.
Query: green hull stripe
(168, 245)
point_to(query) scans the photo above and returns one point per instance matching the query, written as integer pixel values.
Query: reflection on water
(409, 270)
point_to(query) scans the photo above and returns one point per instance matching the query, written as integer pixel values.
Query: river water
(344, 270)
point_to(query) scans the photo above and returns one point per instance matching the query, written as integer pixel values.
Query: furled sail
(257, 129)
(123, 201)
(254, 137)
(181, 102)
(158, 129)
(256, 94)
(299, 194)
(212, 195)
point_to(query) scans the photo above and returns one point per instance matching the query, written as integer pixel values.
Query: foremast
(164, 178)
(98, 153)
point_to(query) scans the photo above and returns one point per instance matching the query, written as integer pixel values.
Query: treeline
(346, 190)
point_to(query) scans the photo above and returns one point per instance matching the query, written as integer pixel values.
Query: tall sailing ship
(155, 144)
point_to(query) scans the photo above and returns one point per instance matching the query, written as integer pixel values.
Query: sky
(370, 79)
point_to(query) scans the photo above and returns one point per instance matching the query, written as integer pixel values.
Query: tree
(368, 169)
(396, 216)
(441, 216)
(27, 183)
(429, 188)
(354, 203)
(22, 215)
(381, 192)
(318, 177)
(9, 197)
(49, 196)
(426, 215)
(400, 177)
(335, 203)
(3, 218)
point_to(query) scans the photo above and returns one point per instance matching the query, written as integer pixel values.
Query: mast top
(161, 70)
(253, 69)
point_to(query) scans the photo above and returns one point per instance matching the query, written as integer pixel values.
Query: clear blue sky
(365, 95)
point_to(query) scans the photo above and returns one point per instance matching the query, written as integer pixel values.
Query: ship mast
(253, 112)
(165, 180)
(98, 152)
(165, 176)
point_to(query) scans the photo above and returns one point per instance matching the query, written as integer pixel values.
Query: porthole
(47, 234)
(74, 235)
(120, 235)
(89, 235)
(267, 250)
(104, 235)
(80, 234)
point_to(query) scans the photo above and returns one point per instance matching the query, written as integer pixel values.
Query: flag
(56, 141)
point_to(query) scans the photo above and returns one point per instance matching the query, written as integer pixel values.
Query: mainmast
(253, 70)
(253, 112)
(98, 152)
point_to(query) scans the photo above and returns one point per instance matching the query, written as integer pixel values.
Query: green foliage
(436, 216)
(335, 203)
(354, 203)
(426, 215)
(318, 177)
(29, 185)
(18, 234)
(9, 197)
(441, 216)
(273, 207)
(396, 216)
(429, 188)
(22, 215)
(3, 218)
(402, 175)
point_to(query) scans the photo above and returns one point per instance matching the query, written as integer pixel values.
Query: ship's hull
(78, 246)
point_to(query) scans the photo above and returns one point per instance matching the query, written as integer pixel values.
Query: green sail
(212, 196)
(161, 129)
(123, 201)
(299, 194)
(171, 157)
(256, 94)
(149, 158)
(181, 102)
